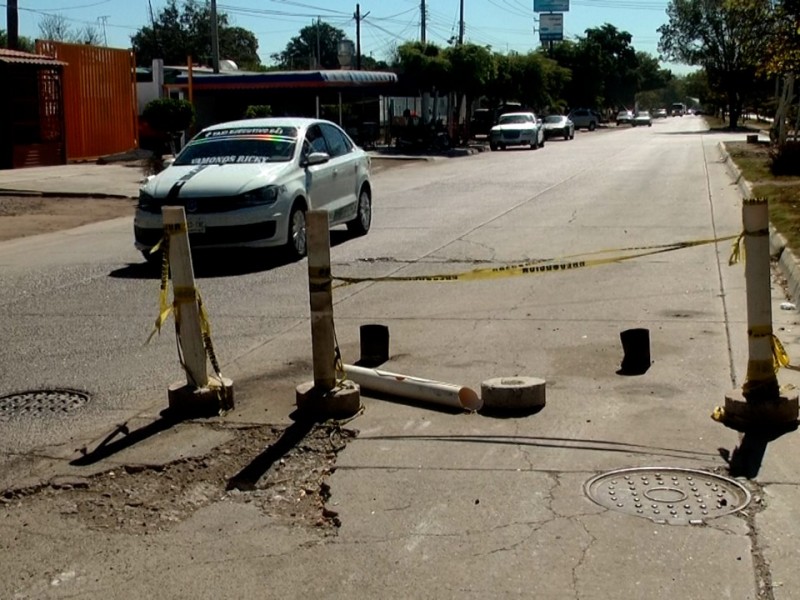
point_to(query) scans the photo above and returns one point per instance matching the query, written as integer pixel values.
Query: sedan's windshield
(240, 145)
(505, 119)
(553, 119)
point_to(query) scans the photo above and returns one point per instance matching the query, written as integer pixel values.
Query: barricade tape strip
(541, 266)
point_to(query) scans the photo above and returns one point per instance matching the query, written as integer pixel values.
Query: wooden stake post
(324, 396)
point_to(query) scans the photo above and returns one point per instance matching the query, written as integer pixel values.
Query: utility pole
(103, 20)
(359, 17)
(422, 23)
(461, 24)
(12, 24)
(319, 44)
(214, 37)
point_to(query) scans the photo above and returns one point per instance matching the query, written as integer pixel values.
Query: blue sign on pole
(551, 6)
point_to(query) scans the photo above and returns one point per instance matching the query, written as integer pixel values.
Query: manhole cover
(668, 495)
(40, 402)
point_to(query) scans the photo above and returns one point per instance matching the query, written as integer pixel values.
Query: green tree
(727, 38)
(180, 31)
(316, 46)
(56, 27)
(169, 117)
(25, 44)
(423, 66)
(472, 67)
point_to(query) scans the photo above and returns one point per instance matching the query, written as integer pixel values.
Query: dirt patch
(281, 471)
(23, 216)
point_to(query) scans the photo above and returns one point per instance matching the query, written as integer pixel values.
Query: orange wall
(100, 110)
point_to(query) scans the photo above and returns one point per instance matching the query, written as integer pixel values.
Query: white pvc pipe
(414, 388)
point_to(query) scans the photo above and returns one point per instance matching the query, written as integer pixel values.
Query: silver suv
(584, 118)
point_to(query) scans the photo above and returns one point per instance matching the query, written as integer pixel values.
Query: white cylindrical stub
(513, 393)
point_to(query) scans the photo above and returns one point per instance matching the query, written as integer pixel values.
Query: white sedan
(248, 184)
(517, 129)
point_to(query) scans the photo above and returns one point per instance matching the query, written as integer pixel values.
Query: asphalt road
(438, 504)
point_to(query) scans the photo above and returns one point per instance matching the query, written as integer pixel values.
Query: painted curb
(787, 260)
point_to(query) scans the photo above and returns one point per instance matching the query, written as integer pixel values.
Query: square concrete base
(338, 403)
(188, 401)
(742, 415)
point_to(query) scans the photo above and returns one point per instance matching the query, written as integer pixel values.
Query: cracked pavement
(423, 502)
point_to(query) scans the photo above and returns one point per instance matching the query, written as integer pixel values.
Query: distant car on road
(678, 109)
(558, 126)
(517, 129)
(249, 183)
(624, 117)
(641, 119)
(660, 113)
(584, 118)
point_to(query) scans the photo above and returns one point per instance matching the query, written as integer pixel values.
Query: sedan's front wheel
(360, 225)
(296, 244)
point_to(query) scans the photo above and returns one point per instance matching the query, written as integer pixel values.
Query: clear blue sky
(506, 25)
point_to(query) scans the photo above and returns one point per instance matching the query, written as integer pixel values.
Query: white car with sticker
(249, 183)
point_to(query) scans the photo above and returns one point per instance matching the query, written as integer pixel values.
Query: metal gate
(100, 110)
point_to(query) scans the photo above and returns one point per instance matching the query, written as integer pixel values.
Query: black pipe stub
(636, 346)
(374, 345)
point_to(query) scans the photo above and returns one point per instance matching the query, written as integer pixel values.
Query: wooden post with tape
(761, 402)
(325, 396)
(199, 394)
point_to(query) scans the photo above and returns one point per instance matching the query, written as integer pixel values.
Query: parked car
(249, 183)
(660, 113)
(641, 119)
(558, 126)
(624, 117)
(584, 118)
(517, 129)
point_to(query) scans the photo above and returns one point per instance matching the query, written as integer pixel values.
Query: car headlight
(262, 196)
(147, 202)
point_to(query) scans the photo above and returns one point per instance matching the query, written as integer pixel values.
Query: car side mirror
(316, 158)
(167, 162)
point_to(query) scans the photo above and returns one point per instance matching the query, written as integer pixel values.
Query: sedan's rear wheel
(492, 146)
(360, 225)
(592, 126)
(296, 244)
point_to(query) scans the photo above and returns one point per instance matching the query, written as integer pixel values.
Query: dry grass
(782, 192)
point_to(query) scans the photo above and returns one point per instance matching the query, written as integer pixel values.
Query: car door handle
(335, 172)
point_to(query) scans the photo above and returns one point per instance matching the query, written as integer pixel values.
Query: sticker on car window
(235, 159)
(286, 132)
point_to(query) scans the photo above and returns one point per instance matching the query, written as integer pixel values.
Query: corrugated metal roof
(27, 58)
(288, 79)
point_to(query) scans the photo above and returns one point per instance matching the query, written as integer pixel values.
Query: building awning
(17, 57)
(238, 80)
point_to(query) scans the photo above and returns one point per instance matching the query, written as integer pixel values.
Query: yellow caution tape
(539, 267)
(737, 251)
(183, 295)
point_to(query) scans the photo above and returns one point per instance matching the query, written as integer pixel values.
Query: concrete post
(760, 402)
(323, 397)
(199, 394)
(187, 315)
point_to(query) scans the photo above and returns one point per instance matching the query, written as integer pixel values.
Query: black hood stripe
(176, 187)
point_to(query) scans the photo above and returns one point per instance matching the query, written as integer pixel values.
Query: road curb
(788, 261)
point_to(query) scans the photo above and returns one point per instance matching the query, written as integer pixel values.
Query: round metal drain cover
(39, 402)
(668, 495)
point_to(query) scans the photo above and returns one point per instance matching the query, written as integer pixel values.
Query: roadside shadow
(109, 446)
(247, 478)
(509, 413)
(226, 262)
(747, 458)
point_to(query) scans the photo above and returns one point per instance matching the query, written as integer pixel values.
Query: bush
(169, 115)
(785, 160)
(258, 111)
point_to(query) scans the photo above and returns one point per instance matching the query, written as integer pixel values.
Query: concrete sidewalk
(116, 180)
